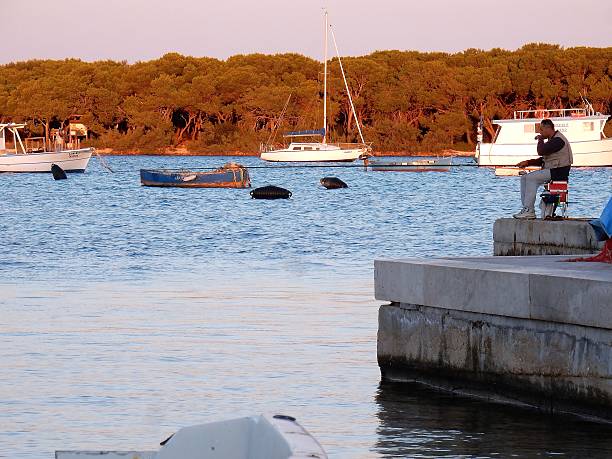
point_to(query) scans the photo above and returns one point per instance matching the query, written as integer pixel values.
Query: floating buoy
(270, 192)
(58, 172)
(333, 183)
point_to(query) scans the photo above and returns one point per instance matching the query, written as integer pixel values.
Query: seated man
(555, 158)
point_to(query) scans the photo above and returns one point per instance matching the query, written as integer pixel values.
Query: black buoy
(270, 192)
(58, 172)
(333, 183)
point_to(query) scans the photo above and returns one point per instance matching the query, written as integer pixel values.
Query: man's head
(547, 128)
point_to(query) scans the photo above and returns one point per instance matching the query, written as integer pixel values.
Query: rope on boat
(102, 161)
(348, 92)
(277, 123)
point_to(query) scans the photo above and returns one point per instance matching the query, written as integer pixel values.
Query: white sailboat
(514, 139)
(320, 151)
(33, 155)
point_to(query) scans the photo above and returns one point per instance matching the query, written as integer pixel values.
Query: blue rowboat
(231, 175)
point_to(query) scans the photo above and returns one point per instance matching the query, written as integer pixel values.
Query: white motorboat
(440, 164)
(32, 155)
(319, 151)
(254, 437)
(514, 140)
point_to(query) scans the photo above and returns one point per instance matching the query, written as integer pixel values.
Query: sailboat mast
(348, 91)
(325, 84)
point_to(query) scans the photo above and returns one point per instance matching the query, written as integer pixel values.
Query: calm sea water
(127, 312)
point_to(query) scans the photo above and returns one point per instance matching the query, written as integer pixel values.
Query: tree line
(406, 100)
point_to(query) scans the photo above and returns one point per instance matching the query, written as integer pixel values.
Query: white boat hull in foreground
(68, 160)
(254, 437)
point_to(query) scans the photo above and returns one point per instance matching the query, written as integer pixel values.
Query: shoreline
(185, 152)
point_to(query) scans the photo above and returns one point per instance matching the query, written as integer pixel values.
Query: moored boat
(316, 152)
(230, 175)
(29, 156)
(254, 437)
(442, 164)
(514, 140)
(513, 171)
(320, 151)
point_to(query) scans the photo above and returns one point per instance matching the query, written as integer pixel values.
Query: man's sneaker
(525, 214)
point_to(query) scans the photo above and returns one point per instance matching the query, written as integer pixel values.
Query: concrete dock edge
(530, 331)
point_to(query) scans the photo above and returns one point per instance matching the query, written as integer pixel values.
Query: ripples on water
(127, 312)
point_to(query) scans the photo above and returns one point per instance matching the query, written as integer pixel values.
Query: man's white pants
(529, 186)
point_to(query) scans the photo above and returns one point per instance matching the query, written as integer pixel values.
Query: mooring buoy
(58, 172)
(270, 192)
(333, 183)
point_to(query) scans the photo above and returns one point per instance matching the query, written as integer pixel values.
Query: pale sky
(145, 29)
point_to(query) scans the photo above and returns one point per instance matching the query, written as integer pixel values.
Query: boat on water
(514, 139)
(319, 151)
(441, 164)
(230, 175)
(315, 151)
(33, 154)
(254, 437)
(514, 171)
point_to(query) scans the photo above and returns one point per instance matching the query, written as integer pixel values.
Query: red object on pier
(560, 188)
(605, 256)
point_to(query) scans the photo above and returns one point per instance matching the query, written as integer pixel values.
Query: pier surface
(525, 330)
(544, 237)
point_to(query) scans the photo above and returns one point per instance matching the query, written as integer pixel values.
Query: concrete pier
(544, 237)
(533, 331)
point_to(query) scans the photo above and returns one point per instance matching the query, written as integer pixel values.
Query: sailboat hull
(310, 156)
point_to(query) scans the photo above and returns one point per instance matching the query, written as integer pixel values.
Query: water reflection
(126, 312)
(418, 422)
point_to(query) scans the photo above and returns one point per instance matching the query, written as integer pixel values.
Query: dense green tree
(405, 101)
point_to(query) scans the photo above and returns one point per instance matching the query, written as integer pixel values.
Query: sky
(137, 30)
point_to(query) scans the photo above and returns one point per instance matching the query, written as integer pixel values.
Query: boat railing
(35, 144)
(263, 148)
(552, 113)
(353, 145)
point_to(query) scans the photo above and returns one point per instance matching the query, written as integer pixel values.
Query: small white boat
(514, 139)
(442, 164)
(514, 171)
(254, 437)
(319, 151)
(34, 157)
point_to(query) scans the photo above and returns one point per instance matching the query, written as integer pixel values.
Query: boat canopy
(308, 133)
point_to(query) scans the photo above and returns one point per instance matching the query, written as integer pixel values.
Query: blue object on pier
(231, 175)
(603, 224)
